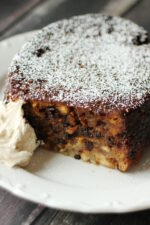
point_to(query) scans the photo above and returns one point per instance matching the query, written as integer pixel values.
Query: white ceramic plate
(65, 183)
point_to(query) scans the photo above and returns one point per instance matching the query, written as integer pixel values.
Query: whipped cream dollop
(17, 138)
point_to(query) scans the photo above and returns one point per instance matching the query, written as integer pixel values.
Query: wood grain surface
(18, 16)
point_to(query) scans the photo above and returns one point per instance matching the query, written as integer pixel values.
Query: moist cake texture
(85, 84)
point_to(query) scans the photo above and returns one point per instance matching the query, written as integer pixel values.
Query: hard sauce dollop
(17, 138)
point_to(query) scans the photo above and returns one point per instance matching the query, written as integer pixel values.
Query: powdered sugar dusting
(85, 60)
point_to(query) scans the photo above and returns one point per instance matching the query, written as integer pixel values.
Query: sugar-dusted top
(89, 60)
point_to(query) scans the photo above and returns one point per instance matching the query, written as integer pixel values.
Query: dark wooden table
(18, 16)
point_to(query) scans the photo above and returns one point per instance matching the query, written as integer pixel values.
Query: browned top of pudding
(94, 61)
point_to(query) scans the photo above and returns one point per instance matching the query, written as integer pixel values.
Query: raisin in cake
(85, 82)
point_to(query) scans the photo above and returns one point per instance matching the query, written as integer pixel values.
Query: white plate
(65, 183)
